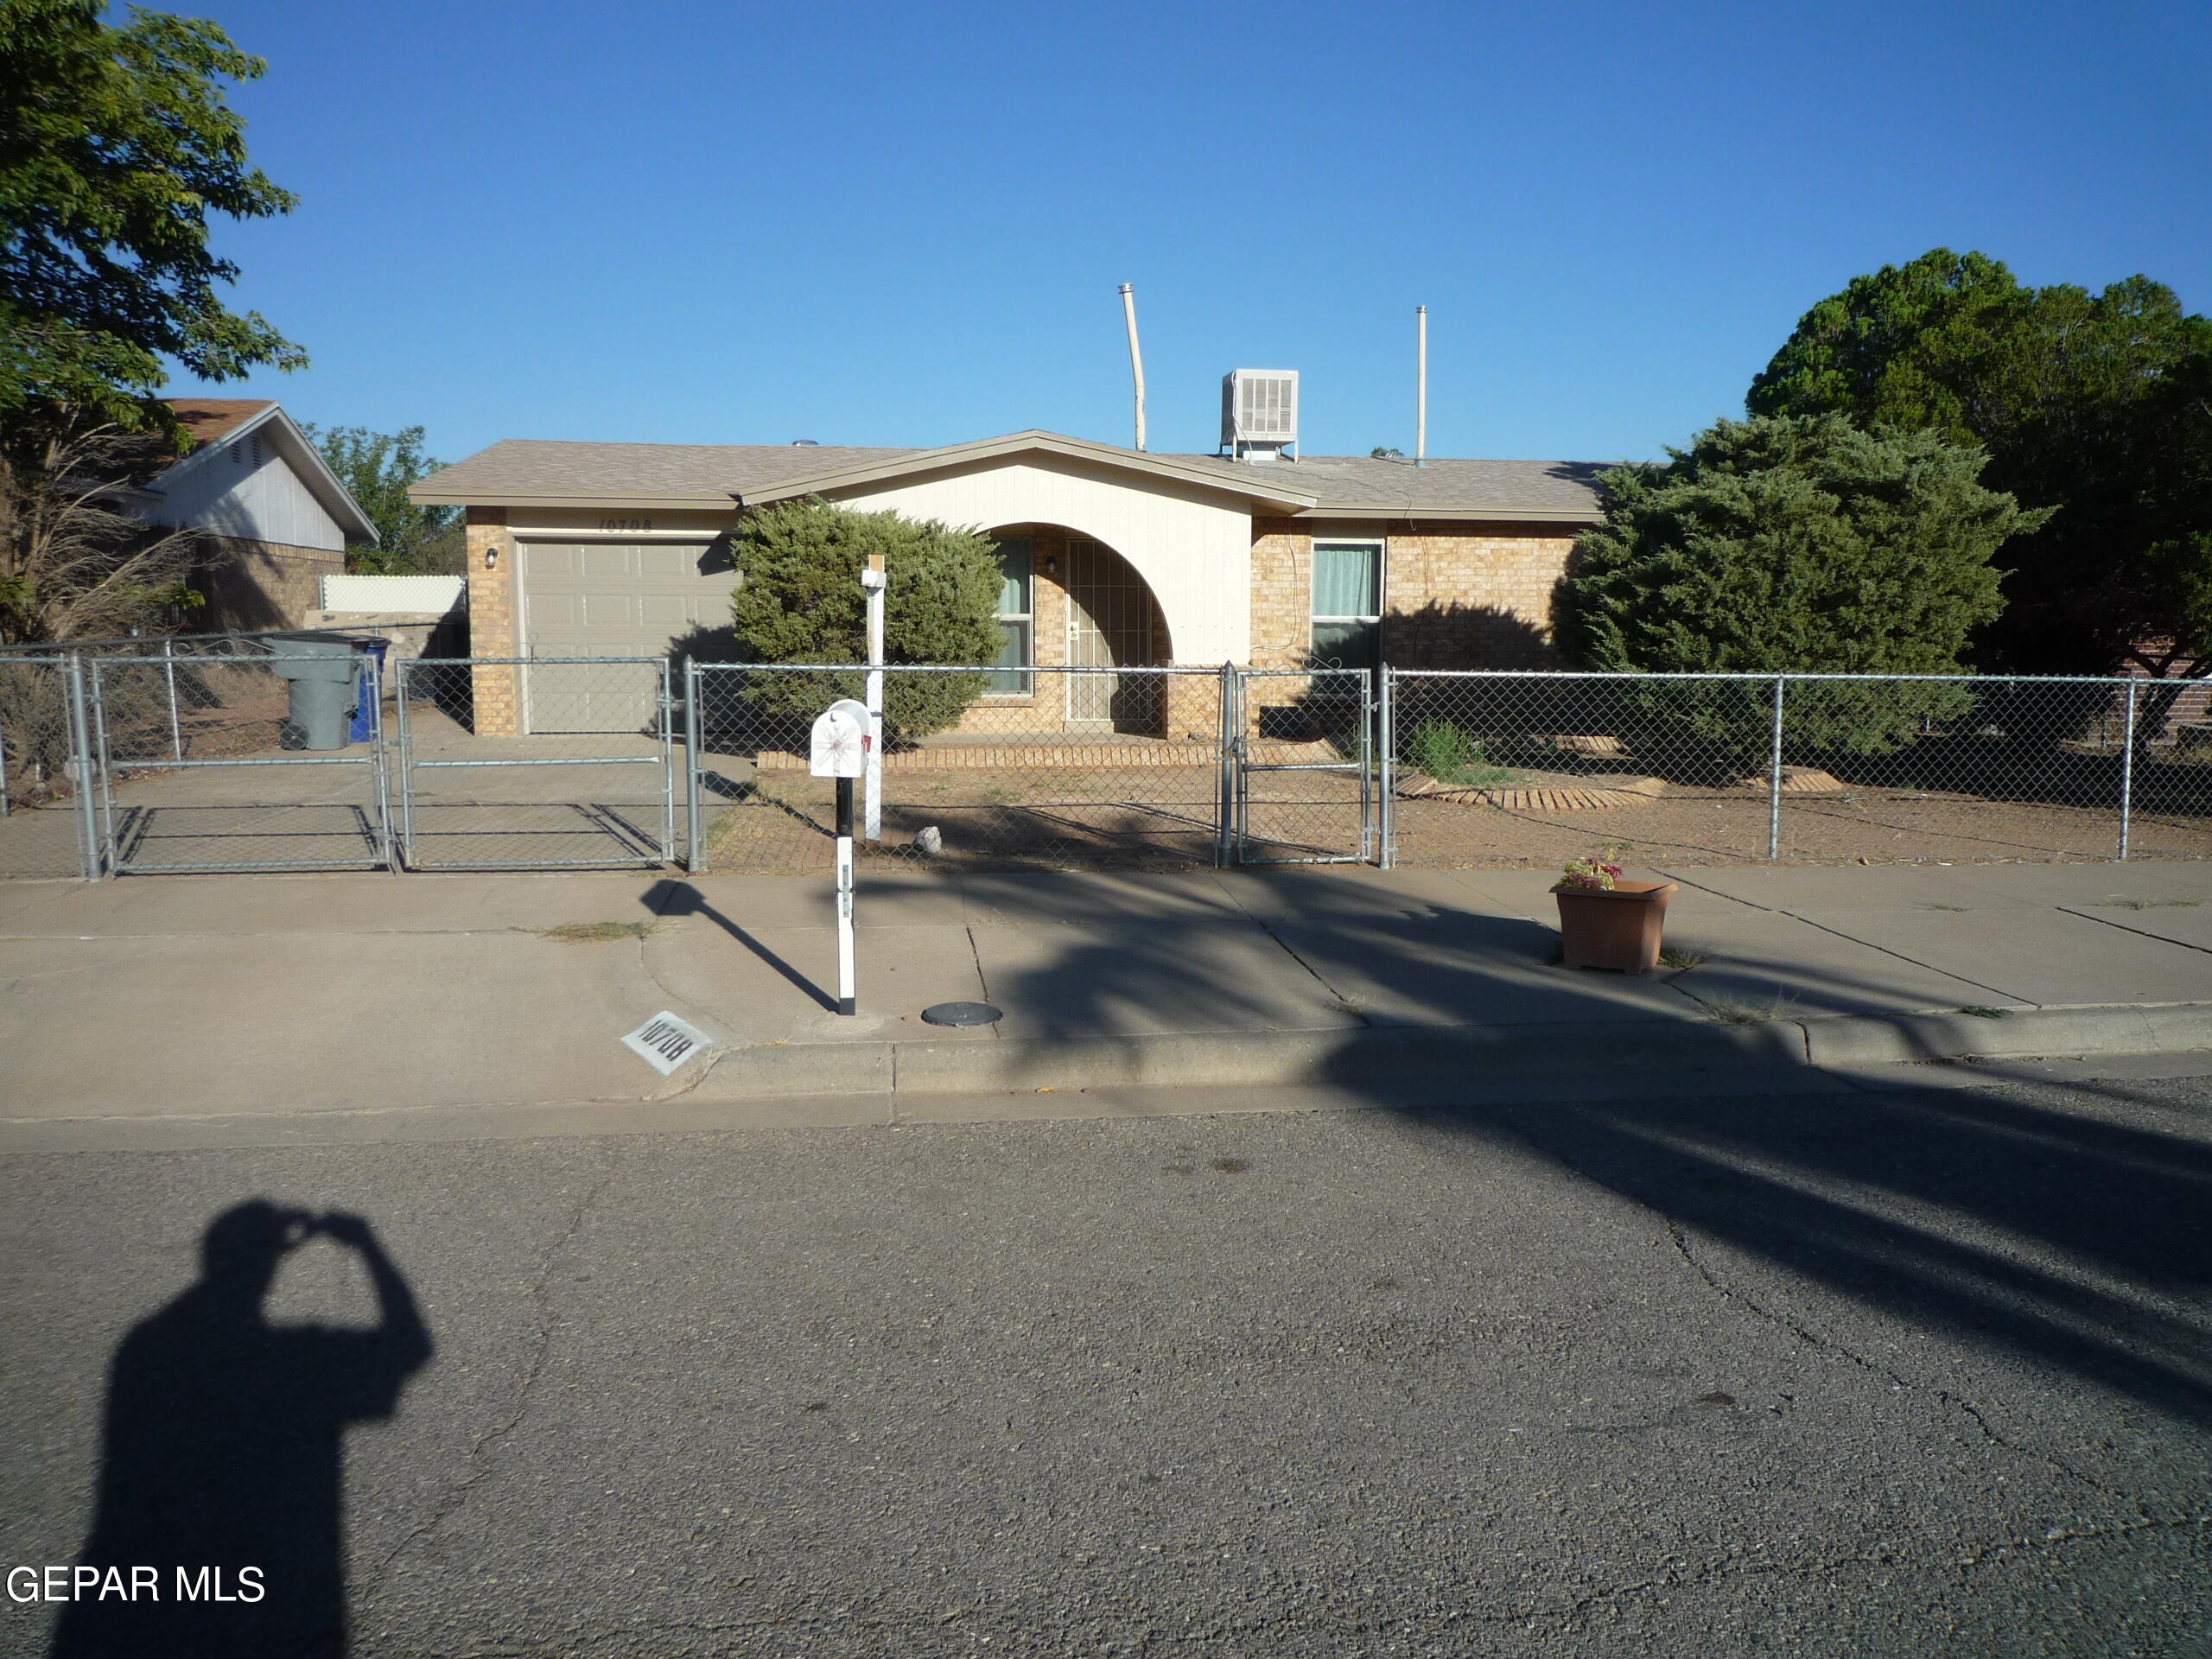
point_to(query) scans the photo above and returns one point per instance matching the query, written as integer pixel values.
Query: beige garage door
(601, 600)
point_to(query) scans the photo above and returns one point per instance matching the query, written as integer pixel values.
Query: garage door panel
(618, 563)
(611, 611)
(607, 600)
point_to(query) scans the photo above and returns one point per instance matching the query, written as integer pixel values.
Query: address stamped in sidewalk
(665, 1042)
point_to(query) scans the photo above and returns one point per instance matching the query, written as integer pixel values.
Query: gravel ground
(1896, 1373)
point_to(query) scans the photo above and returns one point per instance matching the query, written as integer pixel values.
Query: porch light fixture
(491, 558)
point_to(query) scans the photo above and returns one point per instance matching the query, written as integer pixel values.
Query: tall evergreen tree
(1784, 544)
(2096, 406)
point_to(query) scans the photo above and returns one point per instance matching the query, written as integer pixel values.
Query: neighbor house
(1111, 555)
(273, 519)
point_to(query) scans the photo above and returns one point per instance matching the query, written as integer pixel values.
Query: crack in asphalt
(479, 1448)
(1957, 1402)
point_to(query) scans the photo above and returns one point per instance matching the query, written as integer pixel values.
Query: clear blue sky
(905, 223)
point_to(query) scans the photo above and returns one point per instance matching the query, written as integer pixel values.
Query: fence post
(371, 696)
(81, 748)
(695, 857)
(1387, 808)
(176, 728)
(1774, 779)
(1225, 790)
(2127, 769)
(667, 763)
(399, 677)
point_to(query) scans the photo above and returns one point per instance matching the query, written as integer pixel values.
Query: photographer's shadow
(223, 1451)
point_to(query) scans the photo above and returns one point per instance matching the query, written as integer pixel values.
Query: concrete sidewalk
(218, 997)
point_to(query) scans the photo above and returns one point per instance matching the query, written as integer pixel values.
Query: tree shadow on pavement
(223, 1458)
(2075, 1238)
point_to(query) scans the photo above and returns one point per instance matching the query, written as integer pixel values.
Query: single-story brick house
(1112, 555)
(273, 517)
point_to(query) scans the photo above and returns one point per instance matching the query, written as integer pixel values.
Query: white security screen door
(1110, 625)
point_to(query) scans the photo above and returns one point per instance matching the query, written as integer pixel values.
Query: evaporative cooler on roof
(1259, 413)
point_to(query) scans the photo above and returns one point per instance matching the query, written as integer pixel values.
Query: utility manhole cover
(961, 1014)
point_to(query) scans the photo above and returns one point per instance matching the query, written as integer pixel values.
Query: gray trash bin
(324, 672)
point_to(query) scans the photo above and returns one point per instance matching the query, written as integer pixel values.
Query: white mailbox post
(843, 740)
(872, 588)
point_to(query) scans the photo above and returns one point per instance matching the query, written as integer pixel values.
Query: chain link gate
(536, 763)
(1301, 766)
(229, 716)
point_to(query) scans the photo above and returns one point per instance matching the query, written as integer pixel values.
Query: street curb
(2008, 1033)
(1355, 1055)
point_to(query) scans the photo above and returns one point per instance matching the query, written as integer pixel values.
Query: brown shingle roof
(209, 418)
(705, 474)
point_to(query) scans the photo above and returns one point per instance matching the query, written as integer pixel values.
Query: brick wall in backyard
(255, 585)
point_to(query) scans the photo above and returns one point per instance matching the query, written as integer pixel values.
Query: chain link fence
(179, 754)
(1096, 768)
(45, 830)
(1533, 768)
(514, 763)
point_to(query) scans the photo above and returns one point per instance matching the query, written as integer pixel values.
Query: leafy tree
(376, 467)
(799, 563)
(116, 144)
(2098, 406)
(1787, 544)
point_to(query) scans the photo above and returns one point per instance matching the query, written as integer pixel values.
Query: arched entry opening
(1069, 601)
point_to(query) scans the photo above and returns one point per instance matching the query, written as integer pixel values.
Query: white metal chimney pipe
(1420, 416)
(1136, 357)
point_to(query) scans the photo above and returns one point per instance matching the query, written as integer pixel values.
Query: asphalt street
(1905, 1372)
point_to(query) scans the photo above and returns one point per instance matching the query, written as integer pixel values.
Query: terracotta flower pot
(1615, 927)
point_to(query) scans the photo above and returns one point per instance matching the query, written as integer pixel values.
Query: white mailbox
(841, 741)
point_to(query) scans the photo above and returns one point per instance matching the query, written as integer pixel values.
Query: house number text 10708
(626, 523)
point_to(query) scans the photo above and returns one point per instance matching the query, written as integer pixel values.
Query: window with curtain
(1012, 677)
(1347, 604)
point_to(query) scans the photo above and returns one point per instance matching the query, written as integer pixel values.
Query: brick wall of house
(253, 585)
(1282, 594)
(1451, 599)
(491, 622)
(1456, 600)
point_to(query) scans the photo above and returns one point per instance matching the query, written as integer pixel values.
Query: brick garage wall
(255, 585)
(491, 622)
(1452, 598)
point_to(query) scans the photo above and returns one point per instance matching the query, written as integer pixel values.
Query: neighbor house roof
(524, 472)
(217, 424)
(209, 418)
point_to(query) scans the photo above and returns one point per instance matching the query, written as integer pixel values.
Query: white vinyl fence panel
(379, 595)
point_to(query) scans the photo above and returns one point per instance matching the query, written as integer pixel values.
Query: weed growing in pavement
(1988, 1013)
(1728, 1011)
(597, 932)
(1681, 957)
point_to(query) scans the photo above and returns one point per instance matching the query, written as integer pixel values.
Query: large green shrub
(1782, 543)
(799, 600)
